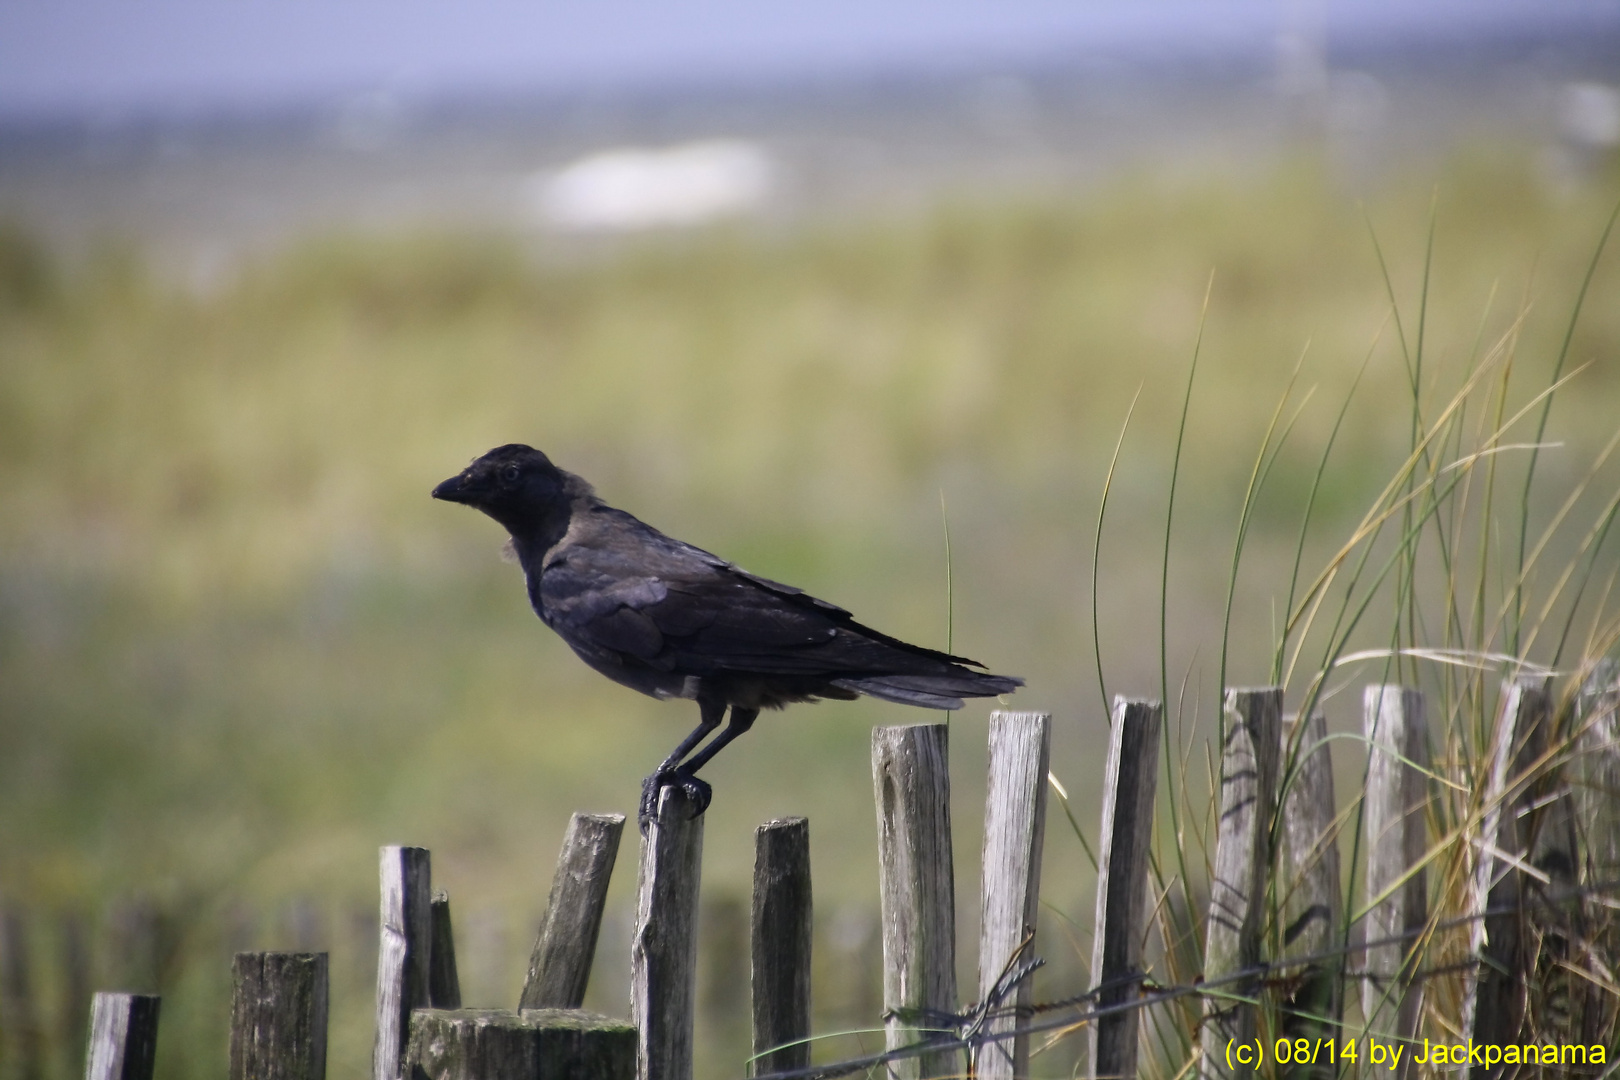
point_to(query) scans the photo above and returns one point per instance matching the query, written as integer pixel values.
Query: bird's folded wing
(584, 599)
(624, 586)
(699, 617)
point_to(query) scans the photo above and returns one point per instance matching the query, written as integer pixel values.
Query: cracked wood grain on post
(123, 1037)
(279, 1016)
(1308, 894)
(560, 966)
(911, 782)
(663, 953)
(1396, 835)
(1010, 886)
(781, 945)
(403, 953)
(1252, 735)
(1130, 780)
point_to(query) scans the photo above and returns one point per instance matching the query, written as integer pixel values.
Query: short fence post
(1010, 885)
(1493, 1001)
(781, 945)
(538, 1044)
(1311, 904)
(444, 983)
(1130, 781)
(123, 1037)
(663, 954)
(278, 1016)
(403, 950)
(1395, 722)
(911, 778)
(1237, 893)
(560, 967)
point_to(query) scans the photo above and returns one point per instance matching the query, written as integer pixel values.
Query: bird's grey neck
(538, 539)
(531, 545)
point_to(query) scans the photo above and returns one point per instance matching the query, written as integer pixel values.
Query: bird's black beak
(454, 490)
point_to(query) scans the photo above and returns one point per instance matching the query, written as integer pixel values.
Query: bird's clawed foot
(696, 791)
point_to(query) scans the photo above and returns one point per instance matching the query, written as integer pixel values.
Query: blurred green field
(240, 648)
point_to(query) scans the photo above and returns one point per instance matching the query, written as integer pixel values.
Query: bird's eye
(510, 474)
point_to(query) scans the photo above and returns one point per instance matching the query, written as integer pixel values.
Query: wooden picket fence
(1277, 823)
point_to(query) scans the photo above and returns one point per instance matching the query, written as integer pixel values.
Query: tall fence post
(403, 953)
(123, 1037)
(1493, 1002)
(1395, 820)
(1597, 773)
(1010, 885)
(781, 945)
(1248, 797)
(1312, 907)
(560, 967)
(1596, 777)
(444, 982)
(278, 1016)
(1129, 783)
(663, 954)
(911, 778)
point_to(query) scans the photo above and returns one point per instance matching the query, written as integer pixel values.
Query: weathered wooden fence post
(663, 953)
(403, 953)
(1493, 1001)
(911, 778)
(1312, 907)
(123, 1037)
(1597, 772)
(278, 1016)
(1130, 780)
(1010, 883)
(560, 967)
(1596, 779)
(1395, 820)
(446, 1042)
(781, 945)
(444, 983)
(1237, 893)
(536, 1044)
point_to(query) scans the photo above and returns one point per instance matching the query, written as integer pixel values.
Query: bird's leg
(709, 713)
(741, 721)
(685, 774)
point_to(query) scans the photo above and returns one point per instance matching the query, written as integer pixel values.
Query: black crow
(674, 621)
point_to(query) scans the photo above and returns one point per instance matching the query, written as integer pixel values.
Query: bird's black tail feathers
(931, 691)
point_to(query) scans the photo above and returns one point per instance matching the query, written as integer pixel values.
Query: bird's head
(516, 485)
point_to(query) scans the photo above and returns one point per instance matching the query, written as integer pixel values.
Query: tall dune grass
(1470, 571)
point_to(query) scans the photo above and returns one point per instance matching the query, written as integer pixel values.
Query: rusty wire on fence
(969, 1025)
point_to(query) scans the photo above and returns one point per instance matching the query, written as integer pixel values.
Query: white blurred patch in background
(632, 188)
(1589, 114)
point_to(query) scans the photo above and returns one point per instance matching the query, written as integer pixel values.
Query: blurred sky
(97, 56)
